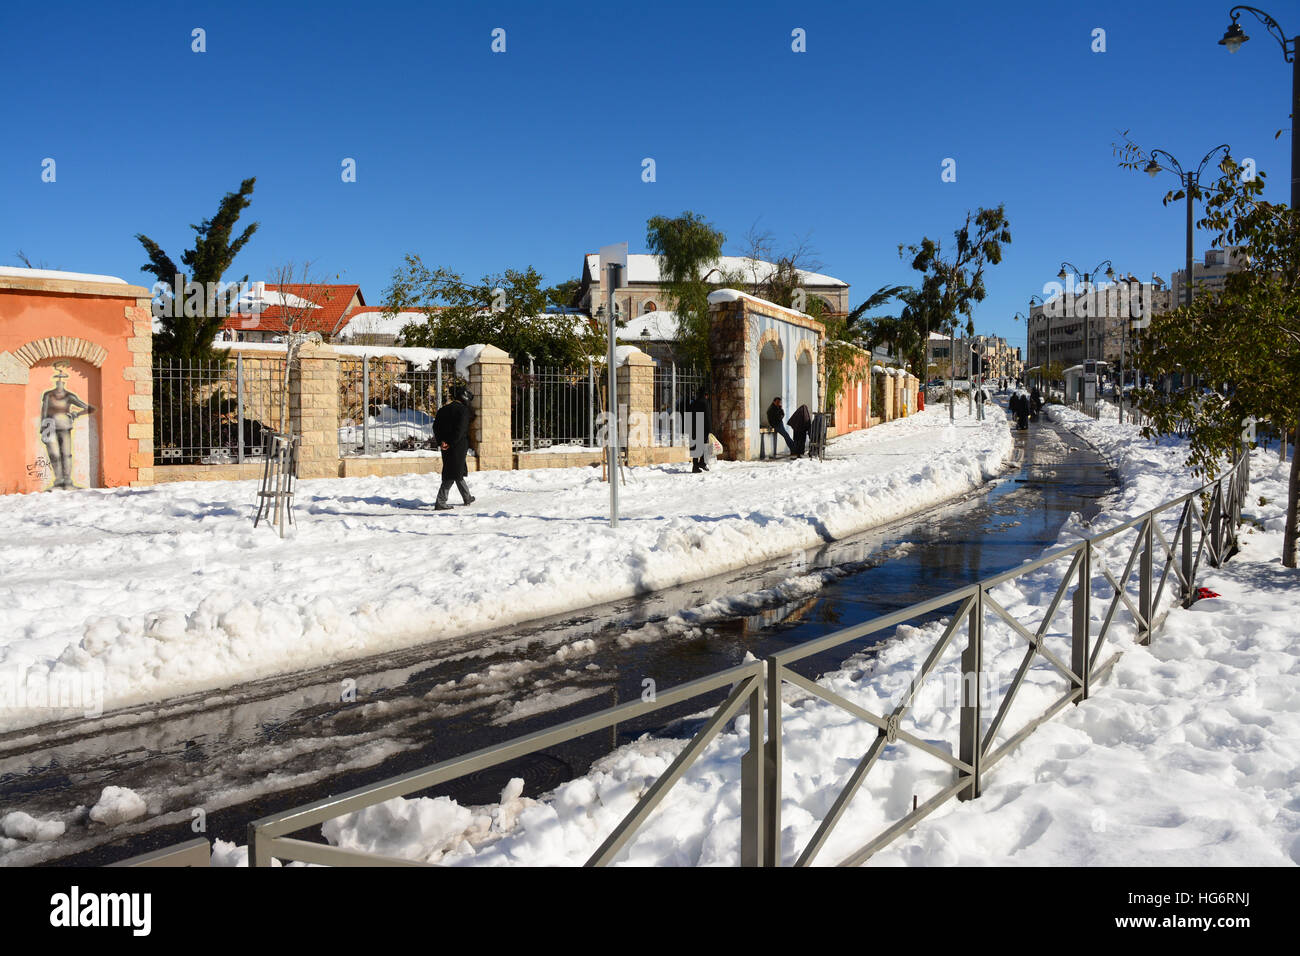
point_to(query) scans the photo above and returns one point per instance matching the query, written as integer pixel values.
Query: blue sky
(482, 161)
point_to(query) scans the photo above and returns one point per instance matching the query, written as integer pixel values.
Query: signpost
(613, 264)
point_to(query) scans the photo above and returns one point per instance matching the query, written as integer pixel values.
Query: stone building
(761, 350)
(642, 290)
(1101, 314)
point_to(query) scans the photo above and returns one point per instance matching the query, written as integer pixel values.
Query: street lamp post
(1191, 181)
(1087, 278)
(1234, 37)
(1045, 365)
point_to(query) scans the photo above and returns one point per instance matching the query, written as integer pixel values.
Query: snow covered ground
(124, 596)
(1187, 754)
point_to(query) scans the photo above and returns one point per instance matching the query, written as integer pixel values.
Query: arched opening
(770, 383)
(806, 382)
(649, 306)
(62, 405)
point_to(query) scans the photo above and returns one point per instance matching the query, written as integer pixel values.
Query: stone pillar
(314, 411)
(887, 391)
(489, 429)
(900, 406)
(140, 399)
(636, 399)
(732, 379)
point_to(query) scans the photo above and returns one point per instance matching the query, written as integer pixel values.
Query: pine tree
(189, 326)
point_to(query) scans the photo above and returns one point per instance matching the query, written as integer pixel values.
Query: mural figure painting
(60, 410)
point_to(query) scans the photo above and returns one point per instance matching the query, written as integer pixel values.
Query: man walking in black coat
(776, 419)
(451, 427)
(701, 427)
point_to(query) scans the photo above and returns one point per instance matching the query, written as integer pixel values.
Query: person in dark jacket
(1035, 403)
(451, 427)
(776, 420)
(700, 427)
(1019, 405)
(801, 422)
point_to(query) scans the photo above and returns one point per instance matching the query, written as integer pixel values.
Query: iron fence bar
(1034, 640)
(532, 405)
(430, 776)
(791, 654)
(972, 664)
(672, 409)
(1216, 539)
(323, 854)
(889, 835)
(365, 405)
(1005, 707)
(752, 788)
(945, 639)
(605, 854)
(1081, 621)
(1121, 594)
(1019, 737)
(880, 723)
(772, 766)
(1120, 591)
(1170, 553)
(1189, 591)
(841, 803)
(437, 401)
(591, 404)
(1059, 595)
(239, 406)
(196, 852)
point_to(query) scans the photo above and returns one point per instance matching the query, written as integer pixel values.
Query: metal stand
(275, 499)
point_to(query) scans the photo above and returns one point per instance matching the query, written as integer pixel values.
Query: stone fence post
(314, 411)
(636, 398)
(489, 429)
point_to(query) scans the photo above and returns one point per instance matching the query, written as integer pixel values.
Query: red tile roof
(327, 320)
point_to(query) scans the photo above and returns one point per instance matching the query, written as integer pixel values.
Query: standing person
(701, 425)
(776, 419)
(1035, 402)
(801, 422)
(451, 427)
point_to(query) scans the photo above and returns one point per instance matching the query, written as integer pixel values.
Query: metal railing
(1206, 525)
(268, 837)
(674, 388)
(554, 407)
(202, 409)
(196, 852)
(388, 406)
(978, 750)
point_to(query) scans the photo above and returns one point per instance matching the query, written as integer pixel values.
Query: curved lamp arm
(1234, 31)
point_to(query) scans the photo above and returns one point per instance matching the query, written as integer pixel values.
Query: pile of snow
(18, 825)
(118, 805)
(170, 590)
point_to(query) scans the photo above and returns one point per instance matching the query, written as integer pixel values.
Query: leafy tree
(189, 326)
(506, 310)
(950, 287)
(687, 247)
(1242, 346)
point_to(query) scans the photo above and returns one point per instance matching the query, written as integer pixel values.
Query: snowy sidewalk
(170, 590)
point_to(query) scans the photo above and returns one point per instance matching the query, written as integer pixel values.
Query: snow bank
(171, 590)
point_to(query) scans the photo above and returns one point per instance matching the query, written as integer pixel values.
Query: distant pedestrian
(451, 429)
(1019, 405)
(776, 419)
(701, 427)
(801, 422)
